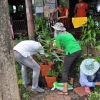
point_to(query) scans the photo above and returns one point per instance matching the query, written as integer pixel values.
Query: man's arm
(66, 15)
(52, 15)
(75, 10)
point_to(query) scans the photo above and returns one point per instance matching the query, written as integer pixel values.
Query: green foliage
(38, 3)
(91, 32)
(52, 73)
(18, 70)
(57, 57)
(94, 96)
(39, 58)
(64, 2)
(60, 69)
(97, 58)
(40, 23)
(21, 38)
(20, 81)
(44, 37)
(25, 94)
(97, 89)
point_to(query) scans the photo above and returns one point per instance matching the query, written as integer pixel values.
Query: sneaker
(87, 89)
(38, 89)
(26, 85)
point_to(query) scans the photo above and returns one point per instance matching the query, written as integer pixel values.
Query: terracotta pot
(50, 81)
(46, 68)
(51, 64)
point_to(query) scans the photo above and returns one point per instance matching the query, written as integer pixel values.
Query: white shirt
(29, 47)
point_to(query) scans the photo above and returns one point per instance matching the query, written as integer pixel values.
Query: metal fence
(19, 26)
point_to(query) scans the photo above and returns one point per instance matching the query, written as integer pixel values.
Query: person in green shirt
(65, 41)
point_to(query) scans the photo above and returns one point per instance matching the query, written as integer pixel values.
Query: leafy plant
(60, 69)
(91, 32)
(40, 23)
(21, 38)
(97, 89)
(39, 58)
(63, 2)
(94, 96)
(52, 73)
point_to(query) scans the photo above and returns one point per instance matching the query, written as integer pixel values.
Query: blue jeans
(94, 78)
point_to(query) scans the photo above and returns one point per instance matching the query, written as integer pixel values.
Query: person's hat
(59, 26)
(89, 66)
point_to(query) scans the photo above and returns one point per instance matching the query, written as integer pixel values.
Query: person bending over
(24, 53)
(65, 41)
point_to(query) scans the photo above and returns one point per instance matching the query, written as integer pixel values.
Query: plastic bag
(60, 86)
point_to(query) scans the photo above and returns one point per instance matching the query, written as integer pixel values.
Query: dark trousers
(69, 65)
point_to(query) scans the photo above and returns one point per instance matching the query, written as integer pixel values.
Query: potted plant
(51, 77)
(46, 68)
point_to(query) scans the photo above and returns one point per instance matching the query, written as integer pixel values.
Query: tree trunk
(29, 15)
(8, 77)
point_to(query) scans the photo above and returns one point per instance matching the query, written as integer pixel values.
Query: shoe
(26, 85)
(38, 89)
(87, 89)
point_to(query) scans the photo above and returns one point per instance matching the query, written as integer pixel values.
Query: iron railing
(19, 26)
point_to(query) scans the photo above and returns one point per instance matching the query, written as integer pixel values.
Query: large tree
(8, 77)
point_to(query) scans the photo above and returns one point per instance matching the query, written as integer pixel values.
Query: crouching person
(89, 74)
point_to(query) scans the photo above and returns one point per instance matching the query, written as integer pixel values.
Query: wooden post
(29, 15)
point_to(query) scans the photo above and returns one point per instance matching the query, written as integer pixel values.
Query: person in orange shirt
(81, 9)
(63, 14)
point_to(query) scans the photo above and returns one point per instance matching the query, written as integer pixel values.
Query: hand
(59, 50)
(58, 18)
(51, 19)
(45, 62)
(97, 83)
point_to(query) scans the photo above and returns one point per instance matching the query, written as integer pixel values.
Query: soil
(53, 95)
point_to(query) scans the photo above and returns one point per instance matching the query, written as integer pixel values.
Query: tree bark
(29, 15)
(8, 77)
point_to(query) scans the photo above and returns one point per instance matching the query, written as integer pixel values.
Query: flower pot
(46, 68)
(50, 81)
(51, 64)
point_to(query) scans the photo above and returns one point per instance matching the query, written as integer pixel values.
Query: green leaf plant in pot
(90, 34)
(51, 77)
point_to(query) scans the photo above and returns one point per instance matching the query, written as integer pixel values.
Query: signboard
(39, 9)
(46, 11)
(45, 7)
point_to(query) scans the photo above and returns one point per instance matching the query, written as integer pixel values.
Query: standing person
(24, 53)
(81, 9)
(72, 48)
(89, 74)
(63, 14)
